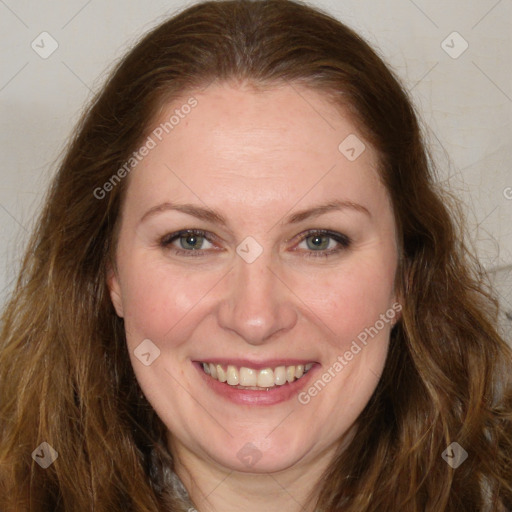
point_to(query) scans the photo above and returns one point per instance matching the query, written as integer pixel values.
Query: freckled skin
(256, 158)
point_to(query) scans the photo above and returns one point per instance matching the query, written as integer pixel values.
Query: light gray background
(465, 102)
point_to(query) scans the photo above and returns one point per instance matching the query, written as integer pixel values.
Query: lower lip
(273, 396)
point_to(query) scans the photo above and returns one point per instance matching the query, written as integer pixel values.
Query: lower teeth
(252, 388)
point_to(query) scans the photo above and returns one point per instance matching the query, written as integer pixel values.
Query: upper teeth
(265, 378)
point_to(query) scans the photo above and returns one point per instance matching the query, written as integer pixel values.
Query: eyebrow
(213, 216)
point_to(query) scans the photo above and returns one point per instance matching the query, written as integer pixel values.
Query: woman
(246, 291)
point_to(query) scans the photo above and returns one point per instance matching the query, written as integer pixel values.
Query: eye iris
(190, 241)
(317, 242)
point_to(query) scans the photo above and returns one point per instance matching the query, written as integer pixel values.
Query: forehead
(275, 144)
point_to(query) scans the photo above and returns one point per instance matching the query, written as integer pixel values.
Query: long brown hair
(65, 374)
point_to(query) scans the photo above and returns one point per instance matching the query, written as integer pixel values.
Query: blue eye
(191, 241)
(319, 242)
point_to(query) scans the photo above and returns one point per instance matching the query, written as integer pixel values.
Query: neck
(212, 487)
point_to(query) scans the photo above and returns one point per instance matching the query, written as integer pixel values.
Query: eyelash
(343, 241)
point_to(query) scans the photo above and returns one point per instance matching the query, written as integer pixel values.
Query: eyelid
(343, 241)
(339, 237)
(170, 237)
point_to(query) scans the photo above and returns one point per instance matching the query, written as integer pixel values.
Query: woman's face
(260, 293)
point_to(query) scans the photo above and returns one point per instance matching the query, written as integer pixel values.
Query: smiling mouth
(257, 380)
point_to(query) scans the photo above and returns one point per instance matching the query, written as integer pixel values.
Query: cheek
(350, 298)
(157, 300)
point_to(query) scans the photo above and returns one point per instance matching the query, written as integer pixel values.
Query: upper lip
(257, 365)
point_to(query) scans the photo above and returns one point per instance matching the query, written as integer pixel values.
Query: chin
(262, 455)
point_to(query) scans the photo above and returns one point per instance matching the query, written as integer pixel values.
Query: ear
(400, 291)
(114, 290)
(397, 306)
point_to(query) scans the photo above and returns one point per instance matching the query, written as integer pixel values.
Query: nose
(258, 305)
